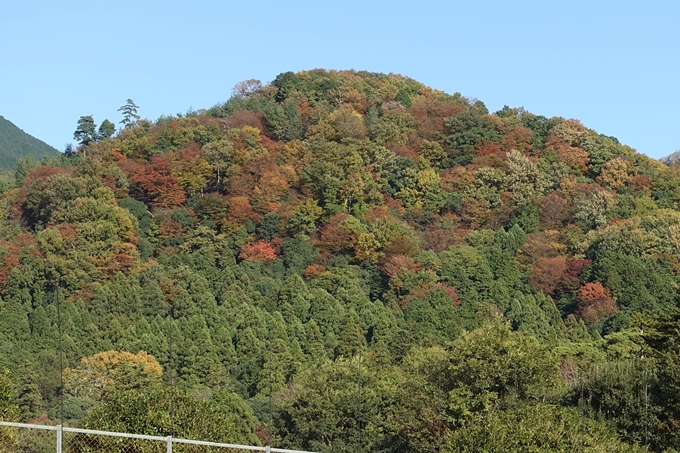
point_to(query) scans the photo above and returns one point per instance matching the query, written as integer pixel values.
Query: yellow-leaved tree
(111, 370)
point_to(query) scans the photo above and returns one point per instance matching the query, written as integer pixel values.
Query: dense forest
(16, 144)
(344, 261)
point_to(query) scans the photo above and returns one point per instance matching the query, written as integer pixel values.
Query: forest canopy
(342, 261)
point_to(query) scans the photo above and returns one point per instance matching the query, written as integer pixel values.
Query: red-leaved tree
(156, 180)
(594, 302)
(258, 251)
(571, 278)
(547, 274)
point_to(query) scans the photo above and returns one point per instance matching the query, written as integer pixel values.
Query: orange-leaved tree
(258, 251)
(594, 302)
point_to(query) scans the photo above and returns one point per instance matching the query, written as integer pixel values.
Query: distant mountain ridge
(15, 144)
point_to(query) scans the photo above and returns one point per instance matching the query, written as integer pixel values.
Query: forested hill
(340, 257)
(16, 144)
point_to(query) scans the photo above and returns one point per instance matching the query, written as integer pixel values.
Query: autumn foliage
(155, 178)
(258, 251)
(332, 220)
(547, 274)
(594, 302)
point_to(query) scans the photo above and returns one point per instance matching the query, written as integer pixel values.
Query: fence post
(169, 439)
(268, 449)
(59, 432)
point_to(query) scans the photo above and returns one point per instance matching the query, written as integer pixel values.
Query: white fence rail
(93, 441)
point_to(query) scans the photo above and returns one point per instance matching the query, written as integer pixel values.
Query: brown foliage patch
(594, 302)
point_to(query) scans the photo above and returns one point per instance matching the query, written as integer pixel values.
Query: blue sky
(612, 64)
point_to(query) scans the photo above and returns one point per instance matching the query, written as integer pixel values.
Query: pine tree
(106, 130)
(86, 132)
(129, 111)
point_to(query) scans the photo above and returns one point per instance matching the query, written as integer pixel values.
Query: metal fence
(27, 438)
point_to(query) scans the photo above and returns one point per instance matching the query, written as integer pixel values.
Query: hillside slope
(343, 255)
(15, 144)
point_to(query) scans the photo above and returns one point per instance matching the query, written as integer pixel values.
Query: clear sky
(614, 65)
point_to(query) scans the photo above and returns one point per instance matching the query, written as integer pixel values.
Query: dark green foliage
(540, 126)
(638, 284)
(601, 150)
(139, 210)
(398, 172)
(86, 132)
(183, 217)
(285, 82)
(211, 206)
(269, 227)
(465, 130)
(298, 254)
(528, 315)
(526, 218)
(436, 318)
(467, 270)
(106, 130)
(294, 129)
(322, 414)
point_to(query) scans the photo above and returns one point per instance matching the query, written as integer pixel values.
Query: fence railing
(75, 440)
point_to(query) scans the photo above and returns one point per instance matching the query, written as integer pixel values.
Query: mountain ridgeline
(16, 144)
(344, 261)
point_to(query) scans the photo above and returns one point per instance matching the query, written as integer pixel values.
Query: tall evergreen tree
(129, 111)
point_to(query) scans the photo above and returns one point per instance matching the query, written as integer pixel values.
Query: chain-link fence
(39, 439)
(27, 438)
